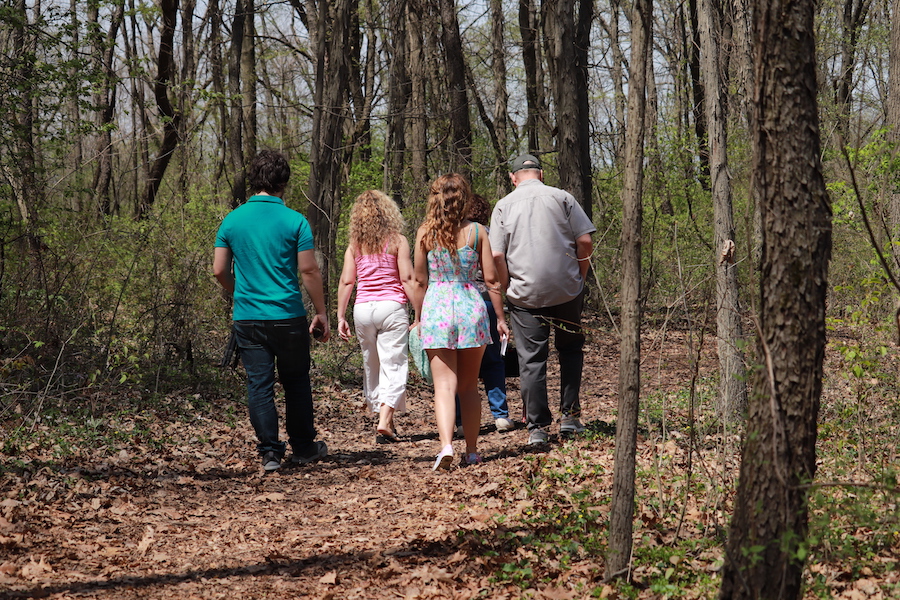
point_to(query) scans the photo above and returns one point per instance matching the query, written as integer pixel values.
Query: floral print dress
(453, 313)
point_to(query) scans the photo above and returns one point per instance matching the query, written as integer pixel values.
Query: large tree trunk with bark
(458, 100)
(534, 92)
(399, 92)
(329, 116)
(568, 40)
(729, 332)
(779, 455)
(621, 513)
(501, 95)
(418, 121)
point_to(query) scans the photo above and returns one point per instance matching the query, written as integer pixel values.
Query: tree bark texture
(501, 95)
(622, 505)
(399, 92)
(418, 121)
(329, 117)
(458, 101)
(534, 96)
(566, 33)
(779, 455)
(729, 332)
(699, 112)
(893, 117)
(235, 106)
(249, 81)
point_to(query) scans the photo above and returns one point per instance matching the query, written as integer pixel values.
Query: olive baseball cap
(525, 161)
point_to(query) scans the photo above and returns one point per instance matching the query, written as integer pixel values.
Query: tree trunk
(248, 82)
(399, 92)
(568, 41)
(418, 124)
(236, 106)
(102, 55)
(170, 118)
(732, 374)
(75, 202)
(20, 171)
(458, 101)
(699, 112)
(330, 113)
(534, 97)
(622, 505)
(618, 80)
(779, 454)
(501, 95)
(214, 15)
(853, 19)
(893, 116)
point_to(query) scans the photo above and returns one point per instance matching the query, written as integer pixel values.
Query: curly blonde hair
(448, 204)
(374, 220)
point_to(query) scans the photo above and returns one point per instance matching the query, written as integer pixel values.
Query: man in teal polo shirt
(260, 247)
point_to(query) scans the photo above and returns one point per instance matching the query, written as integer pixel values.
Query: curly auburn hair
(448, 203)
(374, 220)
(479, 210)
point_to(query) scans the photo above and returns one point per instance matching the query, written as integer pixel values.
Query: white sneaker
(570, 425)
(538, 436)
(503, 424)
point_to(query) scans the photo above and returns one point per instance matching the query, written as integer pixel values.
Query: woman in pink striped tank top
(377, 263)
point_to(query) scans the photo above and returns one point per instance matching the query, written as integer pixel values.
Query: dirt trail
(198, 519)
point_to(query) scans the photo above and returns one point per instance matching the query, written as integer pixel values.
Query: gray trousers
(531, 328)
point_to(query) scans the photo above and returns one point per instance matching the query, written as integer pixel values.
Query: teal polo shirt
(264, 237)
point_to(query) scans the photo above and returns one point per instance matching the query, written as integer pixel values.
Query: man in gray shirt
(541, 239)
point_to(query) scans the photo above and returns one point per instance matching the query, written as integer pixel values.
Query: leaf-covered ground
(154, 506)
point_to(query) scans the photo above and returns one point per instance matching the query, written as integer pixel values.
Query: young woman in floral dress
(451, 314)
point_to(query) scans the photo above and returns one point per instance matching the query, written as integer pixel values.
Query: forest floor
(158, 506)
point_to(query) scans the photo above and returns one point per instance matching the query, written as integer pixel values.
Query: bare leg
(443, 371)
(468, 365)
(386, 420)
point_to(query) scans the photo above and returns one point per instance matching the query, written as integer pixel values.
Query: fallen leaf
(329, 578)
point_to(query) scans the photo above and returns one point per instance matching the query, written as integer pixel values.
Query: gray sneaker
(271, 461)
(538, 436)
(321, 451)
(570, 425)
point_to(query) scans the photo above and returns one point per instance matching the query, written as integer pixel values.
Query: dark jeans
(531, 328)
(265, 346)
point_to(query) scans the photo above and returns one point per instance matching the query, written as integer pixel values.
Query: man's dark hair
(269, 172)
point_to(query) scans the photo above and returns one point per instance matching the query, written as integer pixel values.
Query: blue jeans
(493, 372)
(265, 346)
(532, 327)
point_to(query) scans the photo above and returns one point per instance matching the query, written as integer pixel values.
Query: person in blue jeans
(493, 365)
(259, 249)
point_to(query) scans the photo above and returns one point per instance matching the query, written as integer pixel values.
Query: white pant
(383, 329)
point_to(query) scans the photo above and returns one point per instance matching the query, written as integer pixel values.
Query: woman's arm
(492, 282)
(405, 268)
(345, 289)
(420, 270)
